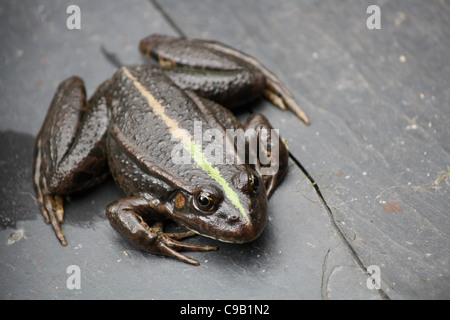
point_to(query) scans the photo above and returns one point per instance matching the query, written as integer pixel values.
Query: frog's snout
(250, 231)
(240, 229)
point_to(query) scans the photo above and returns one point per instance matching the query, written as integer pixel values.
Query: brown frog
(130, 128)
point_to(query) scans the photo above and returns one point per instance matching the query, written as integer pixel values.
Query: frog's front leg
(126, 217)
(70, 149)
(270, 151)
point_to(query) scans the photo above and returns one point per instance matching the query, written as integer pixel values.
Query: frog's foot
(275, 91)
(53, 211)
(171, 247)
(125, 217)
(278, 94)
(51, 205)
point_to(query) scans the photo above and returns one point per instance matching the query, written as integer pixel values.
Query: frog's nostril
(234, 218)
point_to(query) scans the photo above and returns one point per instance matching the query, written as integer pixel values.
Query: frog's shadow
(17, 199)
(249, 256)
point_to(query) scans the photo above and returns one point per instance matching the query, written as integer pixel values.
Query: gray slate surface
(373, 184)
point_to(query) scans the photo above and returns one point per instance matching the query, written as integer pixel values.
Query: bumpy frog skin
(130, 127)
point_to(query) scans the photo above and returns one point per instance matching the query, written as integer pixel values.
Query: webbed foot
(51, 205)
(125, 217)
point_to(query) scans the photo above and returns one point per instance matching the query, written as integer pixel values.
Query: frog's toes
(53, 212)
(171, 248)
(278, 94)
(175, 254)
(181, 236)
(181, 246)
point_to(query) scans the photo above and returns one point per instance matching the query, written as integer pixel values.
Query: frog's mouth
(231, 230)
(234, 238)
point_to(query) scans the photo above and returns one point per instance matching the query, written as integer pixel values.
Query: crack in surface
(178, 30)
(167, 18)
(333, 221)
(324, 284)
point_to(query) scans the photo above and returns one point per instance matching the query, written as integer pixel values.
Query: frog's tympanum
(139, 124)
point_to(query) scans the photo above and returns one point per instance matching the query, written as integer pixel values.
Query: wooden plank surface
(286, 262)
(377, 150)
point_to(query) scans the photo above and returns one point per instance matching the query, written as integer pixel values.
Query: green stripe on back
(214, 173)
(194, 149)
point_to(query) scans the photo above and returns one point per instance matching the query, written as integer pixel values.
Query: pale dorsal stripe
(194, 149)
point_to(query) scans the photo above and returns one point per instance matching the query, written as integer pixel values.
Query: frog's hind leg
(275, 90)
(69, 150)
(219, 72)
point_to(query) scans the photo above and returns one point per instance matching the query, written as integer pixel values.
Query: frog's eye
(254, 183)
(204, 201)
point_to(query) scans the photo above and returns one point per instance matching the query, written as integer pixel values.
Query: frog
(129, 129)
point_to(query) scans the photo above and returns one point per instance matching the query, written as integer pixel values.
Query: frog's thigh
(274, 172)
(230, 88)
(125, 216)
(71, 155)
(215, 74)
